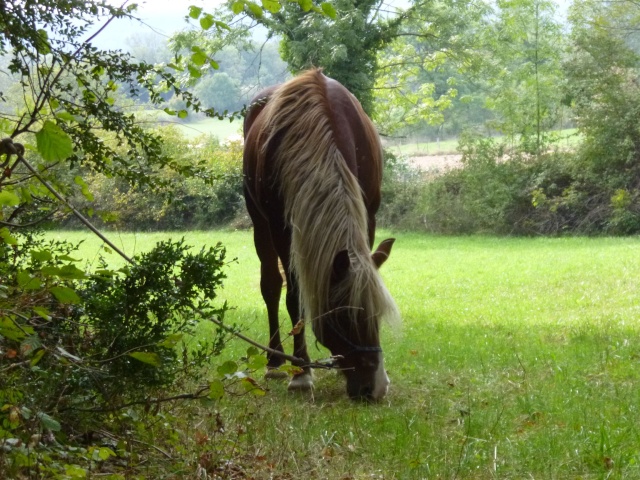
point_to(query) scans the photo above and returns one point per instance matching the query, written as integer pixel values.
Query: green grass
(516, 358)
(222, 129)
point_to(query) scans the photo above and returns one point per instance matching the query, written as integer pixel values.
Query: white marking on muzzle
(381, 381)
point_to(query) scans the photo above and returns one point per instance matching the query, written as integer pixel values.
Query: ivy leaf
(147, 357)
(53, 143)
(65, 295)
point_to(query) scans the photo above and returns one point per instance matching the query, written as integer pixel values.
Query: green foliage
(199, 202)
(75, 345)
(401, 189)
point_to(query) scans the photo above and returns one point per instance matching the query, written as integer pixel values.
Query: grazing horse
(312, 173)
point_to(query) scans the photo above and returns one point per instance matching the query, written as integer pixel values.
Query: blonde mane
(324, 204)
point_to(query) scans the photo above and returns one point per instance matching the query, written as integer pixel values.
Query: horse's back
(353, 133)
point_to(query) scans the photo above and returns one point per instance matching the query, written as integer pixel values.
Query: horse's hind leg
(271, 288)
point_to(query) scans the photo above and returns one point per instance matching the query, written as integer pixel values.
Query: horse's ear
(382, 252)
(341, 265)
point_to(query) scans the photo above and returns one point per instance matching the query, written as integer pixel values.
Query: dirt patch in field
(436, 163)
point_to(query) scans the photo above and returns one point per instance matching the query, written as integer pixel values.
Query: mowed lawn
(516, 358)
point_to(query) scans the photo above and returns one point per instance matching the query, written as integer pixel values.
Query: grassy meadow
(516, 358)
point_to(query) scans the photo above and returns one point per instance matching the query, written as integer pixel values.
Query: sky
(161, 16)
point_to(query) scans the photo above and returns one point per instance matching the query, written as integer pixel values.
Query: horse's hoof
(275, 374)
(303, 381)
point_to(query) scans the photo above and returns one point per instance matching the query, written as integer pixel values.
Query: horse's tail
(324, 205)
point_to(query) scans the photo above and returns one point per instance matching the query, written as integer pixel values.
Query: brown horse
(312, 173)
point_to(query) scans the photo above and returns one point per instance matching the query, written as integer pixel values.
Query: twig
(75, 211)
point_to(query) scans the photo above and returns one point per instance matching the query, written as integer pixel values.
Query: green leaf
(42, 45)
(237, 7)
(194, 72)
(10, 330)
(256, 362)
(8, 199)
(72, 272)
(183, 114)
(216, 390)
(255, 9)
(6, 236)
(85, 188)
(65, 295)
(207, 21)
(194, 12)
(328, 10)
(41, 255)
(199, 57)
(48, 422)
(250, 385)
(147, 357)
(228, 368)
(37, 357)
(272, 6)
(26, 281)
(65, 116)
(67, 258)
(53, 143)
(42, 312)
(306, 5)
(171, 341)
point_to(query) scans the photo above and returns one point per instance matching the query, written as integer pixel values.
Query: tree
(420, 70)
(524, 48)
(603, 77)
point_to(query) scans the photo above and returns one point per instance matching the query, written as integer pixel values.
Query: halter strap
(354, 348)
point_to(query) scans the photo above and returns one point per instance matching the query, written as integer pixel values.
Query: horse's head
(351, 329)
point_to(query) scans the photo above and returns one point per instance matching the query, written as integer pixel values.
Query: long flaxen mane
(323, 200)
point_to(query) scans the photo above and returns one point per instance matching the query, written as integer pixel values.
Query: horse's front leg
(304, 380)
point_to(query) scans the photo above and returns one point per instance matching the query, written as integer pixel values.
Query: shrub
(75, 346)
(211, 197)
(401, 186)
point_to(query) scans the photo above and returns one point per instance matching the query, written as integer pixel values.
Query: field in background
(516, 358)
(417, 148)
(221, 129)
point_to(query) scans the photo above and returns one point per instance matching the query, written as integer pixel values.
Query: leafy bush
(210, 198)
(77, 346)
(515, 193)
(401, 186)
